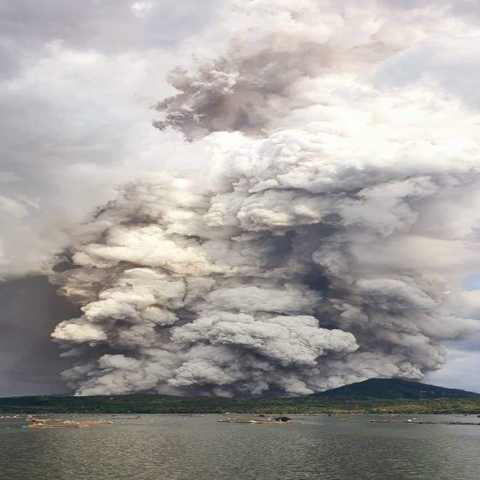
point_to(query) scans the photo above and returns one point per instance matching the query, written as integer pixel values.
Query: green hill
(395, 388)
(371, 396)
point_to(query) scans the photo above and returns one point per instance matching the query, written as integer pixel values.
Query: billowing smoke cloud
(323, 246)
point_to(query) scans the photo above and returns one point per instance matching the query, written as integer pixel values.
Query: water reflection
(156, 447)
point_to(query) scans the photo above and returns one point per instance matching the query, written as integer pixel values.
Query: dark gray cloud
(29, 361)
(107, 26)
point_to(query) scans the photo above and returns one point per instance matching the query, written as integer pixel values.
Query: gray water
(171, 447)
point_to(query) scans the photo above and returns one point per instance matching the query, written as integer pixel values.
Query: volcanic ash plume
(321, 247)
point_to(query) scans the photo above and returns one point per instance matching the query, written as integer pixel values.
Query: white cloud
(77, 112)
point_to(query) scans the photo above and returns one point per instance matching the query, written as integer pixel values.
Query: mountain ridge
(395, 388)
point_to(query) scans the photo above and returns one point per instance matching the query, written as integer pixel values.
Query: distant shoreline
(153, 404)
(374, 396)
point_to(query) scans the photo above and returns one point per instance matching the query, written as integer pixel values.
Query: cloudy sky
(78, 82)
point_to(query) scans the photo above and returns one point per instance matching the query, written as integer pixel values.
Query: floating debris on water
(263, 420)
(41, 423)
(414, 421)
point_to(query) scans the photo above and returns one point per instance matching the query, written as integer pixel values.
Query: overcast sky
(78, 79)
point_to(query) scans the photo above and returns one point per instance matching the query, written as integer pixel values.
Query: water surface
(175, 447)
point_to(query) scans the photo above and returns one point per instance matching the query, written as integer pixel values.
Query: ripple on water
(170, 447)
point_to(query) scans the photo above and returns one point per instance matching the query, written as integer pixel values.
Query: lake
(176, 447)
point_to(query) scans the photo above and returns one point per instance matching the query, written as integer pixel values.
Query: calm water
(170, 447)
